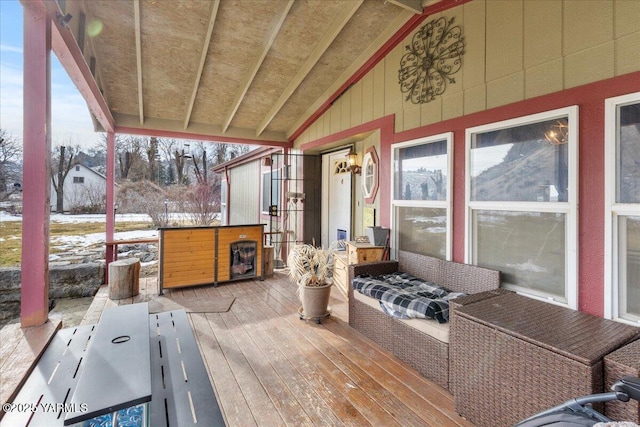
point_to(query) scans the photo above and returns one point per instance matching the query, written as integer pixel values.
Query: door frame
(326, 178)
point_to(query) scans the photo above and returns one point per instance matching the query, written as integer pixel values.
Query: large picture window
(522, 201)
(622, 199)
(421, 196)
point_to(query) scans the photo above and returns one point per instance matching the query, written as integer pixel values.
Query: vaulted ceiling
(245, 69)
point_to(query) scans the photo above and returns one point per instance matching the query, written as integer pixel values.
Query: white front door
(336, 198)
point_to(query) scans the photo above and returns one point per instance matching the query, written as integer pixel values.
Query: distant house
(84, 190)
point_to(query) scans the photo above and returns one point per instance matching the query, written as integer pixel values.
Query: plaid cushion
(404, 296)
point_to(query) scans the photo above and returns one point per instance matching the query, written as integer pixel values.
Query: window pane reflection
(420, 172)
(628, 154)
(422, 230)
(528, 247)
(523, 163)
(629, 298)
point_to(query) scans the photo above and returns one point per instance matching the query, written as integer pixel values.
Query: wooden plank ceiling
(247, 69)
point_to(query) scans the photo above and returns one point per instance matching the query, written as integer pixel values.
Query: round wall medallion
(433, 56)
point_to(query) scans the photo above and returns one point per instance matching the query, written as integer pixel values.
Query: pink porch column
(110, 211)
(36, 179)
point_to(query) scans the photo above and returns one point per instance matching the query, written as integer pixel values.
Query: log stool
(268, 261)
(124, 278)
(623, 362)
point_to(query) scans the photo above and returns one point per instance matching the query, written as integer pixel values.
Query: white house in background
(83, 188)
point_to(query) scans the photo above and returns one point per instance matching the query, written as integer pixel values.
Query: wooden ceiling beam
(414, 6)
(136, 15)
(64, 44)
(97, 75)
(311, 61)
(256, 65)
(393, 34)
(203, 56)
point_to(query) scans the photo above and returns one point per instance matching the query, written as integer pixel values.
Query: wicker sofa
(422, 344)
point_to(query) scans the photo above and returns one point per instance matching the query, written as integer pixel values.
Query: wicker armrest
(372, 268)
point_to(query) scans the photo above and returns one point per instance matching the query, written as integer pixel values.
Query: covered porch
(270, 368)
(266, 366)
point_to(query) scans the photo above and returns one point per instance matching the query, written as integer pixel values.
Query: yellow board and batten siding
(201, 255)
(551, 45)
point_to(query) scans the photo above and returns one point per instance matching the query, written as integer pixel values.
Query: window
(521, 184)
(622, 201)
(421, 195)
(270, 190)
(77, 168)
(370, 175)
(78, 179)
(223, 202)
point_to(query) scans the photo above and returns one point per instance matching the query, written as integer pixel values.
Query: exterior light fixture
(352, 158)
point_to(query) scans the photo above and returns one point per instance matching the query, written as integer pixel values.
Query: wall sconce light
(558, 134)
(352, 158)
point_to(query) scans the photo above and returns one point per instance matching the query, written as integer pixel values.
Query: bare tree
(203, 202)
(181, 154)
(132, 165)
(10, 171)
(200, 164)
(143, 197)
(238, 150)
(153, 159)
(220, 153)
(63, 159)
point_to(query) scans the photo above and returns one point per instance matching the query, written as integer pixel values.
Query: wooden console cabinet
(356, 253)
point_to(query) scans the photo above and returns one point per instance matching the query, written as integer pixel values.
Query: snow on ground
(97, 238)
(93, 238)
(70, 219)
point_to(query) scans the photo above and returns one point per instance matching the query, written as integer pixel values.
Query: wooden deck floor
(19, 351)
(270, 368)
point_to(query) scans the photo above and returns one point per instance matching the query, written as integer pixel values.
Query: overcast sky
(70, 119)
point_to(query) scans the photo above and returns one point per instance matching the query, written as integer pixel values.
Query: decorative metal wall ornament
(433, 56)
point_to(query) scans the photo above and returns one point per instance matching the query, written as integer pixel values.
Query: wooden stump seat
(124, 278)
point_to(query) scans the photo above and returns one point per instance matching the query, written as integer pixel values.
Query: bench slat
(176, 401)
(112, 379)
(53, 380)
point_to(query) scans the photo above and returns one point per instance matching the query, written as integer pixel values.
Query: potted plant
(311, 269)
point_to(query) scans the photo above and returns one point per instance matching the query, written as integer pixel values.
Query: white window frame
(442, 204)
(224, 196)
(369, 192)
(614, 210)
(270, 173)
(568, 208)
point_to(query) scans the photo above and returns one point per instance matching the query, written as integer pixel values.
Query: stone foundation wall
(65, 281)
